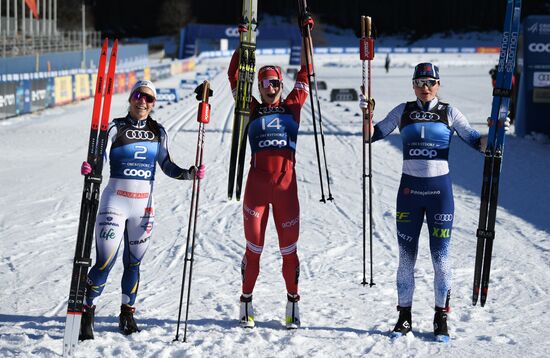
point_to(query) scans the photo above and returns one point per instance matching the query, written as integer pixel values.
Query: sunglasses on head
(421, 82)
(273, 83)
(139, 95)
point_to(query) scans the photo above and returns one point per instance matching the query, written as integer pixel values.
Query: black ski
(494, 152)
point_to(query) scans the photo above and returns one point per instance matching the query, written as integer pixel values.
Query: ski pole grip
(368, 25)
(203, 116)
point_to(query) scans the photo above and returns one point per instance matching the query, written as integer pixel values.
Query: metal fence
(61, 41)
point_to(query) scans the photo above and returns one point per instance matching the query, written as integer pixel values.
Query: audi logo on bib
(423, 153)
(443, 217)
(138, 173)
(272, 143)
(424, 116)
(139, 134)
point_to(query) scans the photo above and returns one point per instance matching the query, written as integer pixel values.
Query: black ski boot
(441, 332)
(127, 323)
(404, 323)
(87, 323)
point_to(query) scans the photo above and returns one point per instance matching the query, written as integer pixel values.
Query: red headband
(269, 71)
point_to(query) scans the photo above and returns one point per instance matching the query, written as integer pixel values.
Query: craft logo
(141, 241)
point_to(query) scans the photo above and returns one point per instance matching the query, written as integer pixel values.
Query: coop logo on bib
(272, 143)
(430, 153)
(138, 173)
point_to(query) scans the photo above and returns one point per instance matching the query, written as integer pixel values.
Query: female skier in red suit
(272, 133)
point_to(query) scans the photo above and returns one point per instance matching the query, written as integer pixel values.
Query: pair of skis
(494, 152)
(90, 196)
(366, 54)
(245, 82)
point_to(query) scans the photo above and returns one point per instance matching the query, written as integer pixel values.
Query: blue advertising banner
(167, 95)
(195, 38)
(533, 113)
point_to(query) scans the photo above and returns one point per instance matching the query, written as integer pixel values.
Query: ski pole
(314, 101)
(366, 52)
(203, 91)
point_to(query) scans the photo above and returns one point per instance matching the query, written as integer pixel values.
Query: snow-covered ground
(40, 198)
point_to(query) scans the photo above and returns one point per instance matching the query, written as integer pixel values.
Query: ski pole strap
(366, 48)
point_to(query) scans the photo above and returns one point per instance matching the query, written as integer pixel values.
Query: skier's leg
(440, 215)
(109, 230)
(255, 217)
(286, 214)
(409, 219)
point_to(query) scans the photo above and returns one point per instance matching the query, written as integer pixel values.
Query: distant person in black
(387, 64)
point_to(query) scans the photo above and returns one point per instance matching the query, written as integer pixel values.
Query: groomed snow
(40, 200)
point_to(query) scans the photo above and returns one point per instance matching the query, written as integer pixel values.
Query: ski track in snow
(40, 199)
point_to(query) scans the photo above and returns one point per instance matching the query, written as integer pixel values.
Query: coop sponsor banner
(7, 99)
(81, 86)
(63, 89)
(167, 95)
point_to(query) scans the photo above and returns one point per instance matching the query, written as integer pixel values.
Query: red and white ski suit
(272, 180)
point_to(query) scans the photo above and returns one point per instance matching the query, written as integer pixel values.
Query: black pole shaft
(314, 94)
(311, 79)
(364, 178)
(191, 212)
(194, 215)
(370, 171)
